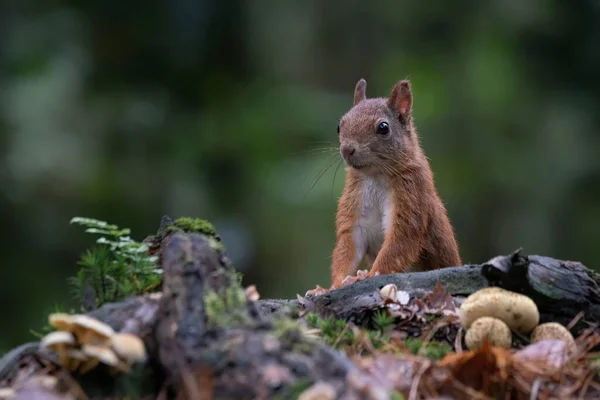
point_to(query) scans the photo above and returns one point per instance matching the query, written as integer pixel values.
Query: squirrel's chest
(374, 216)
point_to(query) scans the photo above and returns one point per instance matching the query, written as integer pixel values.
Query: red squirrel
(390, 214)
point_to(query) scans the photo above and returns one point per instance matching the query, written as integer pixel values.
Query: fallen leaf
(485, 370)
(552, 353)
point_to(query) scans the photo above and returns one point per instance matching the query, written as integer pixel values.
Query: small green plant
(116, 268)
(339, 333)
(382, 320)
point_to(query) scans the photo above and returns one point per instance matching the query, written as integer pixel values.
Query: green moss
(397, 395)
(214, 308)
(293, 391)
(335, 332)
(190, 225)
(283, 326)
(216, 244)
(290, 331)
(235, 297)
(227, 307)
(433, 350)
(187, 225)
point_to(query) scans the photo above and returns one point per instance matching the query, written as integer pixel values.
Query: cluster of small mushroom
(492, 312)
(82, 342)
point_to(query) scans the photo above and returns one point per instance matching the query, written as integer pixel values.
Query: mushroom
(554, 330)
(96, 354)
(91, 331)
(7, 393)
(59, 342)
(389, 291)
(61, 321)
(518, 311)
(251, 293)
(128, 347)
(318, 391)
(76, 358)
(494, 329)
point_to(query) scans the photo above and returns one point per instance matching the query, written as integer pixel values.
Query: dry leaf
(552, 353)
(485, 369)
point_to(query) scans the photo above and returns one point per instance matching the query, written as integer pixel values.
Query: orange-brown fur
(392, 178)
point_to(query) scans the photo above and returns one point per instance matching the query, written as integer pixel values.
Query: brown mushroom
(128, 347)
(59, 342)
(61, 321)
(76, 358)
(91, 331)
(97, 354)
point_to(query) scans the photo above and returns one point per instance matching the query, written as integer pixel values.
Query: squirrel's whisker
(320, 176)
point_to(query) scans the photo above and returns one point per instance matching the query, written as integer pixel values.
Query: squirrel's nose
(347, 151)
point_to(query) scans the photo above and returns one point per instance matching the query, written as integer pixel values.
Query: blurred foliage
(227, 111)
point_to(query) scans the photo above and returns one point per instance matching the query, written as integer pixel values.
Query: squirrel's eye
(383, 128)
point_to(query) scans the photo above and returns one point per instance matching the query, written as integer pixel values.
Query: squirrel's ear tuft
(401, 99)
(360, 91)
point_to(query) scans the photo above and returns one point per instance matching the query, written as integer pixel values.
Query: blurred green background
(126, 111)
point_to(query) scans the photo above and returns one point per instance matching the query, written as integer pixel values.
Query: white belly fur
(374, 219)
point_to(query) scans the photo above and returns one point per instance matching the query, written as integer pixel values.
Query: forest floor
(400, 336)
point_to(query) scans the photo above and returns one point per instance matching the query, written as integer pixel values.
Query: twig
(337, 340)
(458, 341)
(586, 384)
(535, 388)
(429, 336)
(575, 320)
(414, 387)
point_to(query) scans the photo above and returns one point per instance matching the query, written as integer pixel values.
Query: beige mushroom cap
(554, 330)
(91, 331)
(494, 329)
(59, 342)
(129, 347)
(96, 354)
(518, 311)
(318, 391)
(104, 354)
(389, 291)
(58, 338)
(61, 321)
(7, 393)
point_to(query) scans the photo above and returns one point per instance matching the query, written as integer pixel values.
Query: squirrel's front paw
(316, 291)
(360, 275)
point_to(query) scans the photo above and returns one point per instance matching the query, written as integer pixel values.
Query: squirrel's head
(377, 134)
